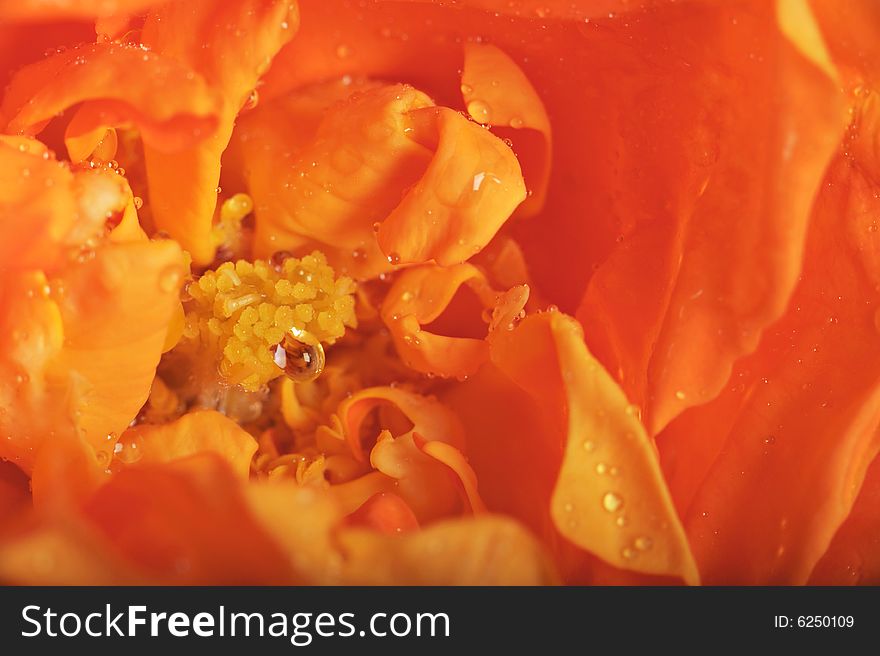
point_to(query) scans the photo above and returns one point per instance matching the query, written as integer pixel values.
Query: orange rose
(467, 292)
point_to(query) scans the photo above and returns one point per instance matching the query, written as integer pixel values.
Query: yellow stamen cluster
(227, 231)
(241, 311)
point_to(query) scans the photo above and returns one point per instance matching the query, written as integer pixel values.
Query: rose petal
(418, 297)
(767, 473)
(689, 291)
(486, 550)
(609, 496)
(497, 92)
(195, 432)
(231, 45)
(118, 83)
(63, 354)
(468, 191)
(853, 557)
(187, 523)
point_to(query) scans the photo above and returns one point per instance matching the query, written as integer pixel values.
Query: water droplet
(643, 543)
(252, 101)
(218, 189)
(589, 446)
(466, 89)
(129, 451)
(770, 439)
(394, 258)
(407, 296)
(621, 521)
(680, 395)
(516, 122)
(634, 411)
(627, 552)
(614, 471)
(376, 226)
(138, 202)
(343, 51)
(301, 362)
(568, 507)
(612, 502)
(601, 468)
(479, 111)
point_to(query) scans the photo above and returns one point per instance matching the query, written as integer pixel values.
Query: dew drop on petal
(479, 111)
(643, 543)
(612, 502)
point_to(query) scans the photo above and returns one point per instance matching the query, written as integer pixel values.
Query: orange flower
(430, 293)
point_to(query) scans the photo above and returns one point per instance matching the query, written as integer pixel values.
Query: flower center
(259, 320)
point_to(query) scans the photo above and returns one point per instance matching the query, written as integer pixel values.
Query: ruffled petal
(688, 292)
(194, 433)
(496, 92)
(767, 472)
(339, 186)
(231, 45)
(347, 175)
(118, 83)
(67, 338)
(470, 188)
(425, 415)
(609, 496)
(418, 297)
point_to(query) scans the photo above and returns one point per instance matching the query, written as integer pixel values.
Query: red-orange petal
(689, 290)
(767, 472)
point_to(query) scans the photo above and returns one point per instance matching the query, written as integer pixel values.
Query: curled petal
(418, 297)
(86, 138)
(231, 45)
(496, 92)
(428, 486)
(346, 178)
(470, 188)
(194, 433)
(425, 415)
(91, 74)
(65, 340)
(609, 496)
(486, 550)
(455, 460)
